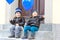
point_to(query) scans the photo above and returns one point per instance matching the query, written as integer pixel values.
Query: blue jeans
(33, 30)
(16, 31)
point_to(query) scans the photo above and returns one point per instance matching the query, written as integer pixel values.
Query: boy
(32, 25)
(17, 24)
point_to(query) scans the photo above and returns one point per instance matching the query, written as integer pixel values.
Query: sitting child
(32, 25)
(17, 24)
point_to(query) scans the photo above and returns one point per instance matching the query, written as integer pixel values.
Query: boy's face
(35, 14)
(18, 14)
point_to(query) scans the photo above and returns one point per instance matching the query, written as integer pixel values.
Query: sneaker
(11, 36)
(31, 38)
(24, 37)
(17, 37)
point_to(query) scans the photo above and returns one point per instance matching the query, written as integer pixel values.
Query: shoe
(31, 38)
(17, 37)
(24, 37)
(11, 36)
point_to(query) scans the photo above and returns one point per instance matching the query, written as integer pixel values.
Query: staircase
(44, 33)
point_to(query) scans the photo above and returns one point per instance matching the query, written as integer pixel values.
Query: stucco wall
(48, 11)
(2, 11)
(10, 10)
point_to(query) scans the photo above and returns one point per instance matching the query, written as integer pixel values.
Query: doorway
(38, 5)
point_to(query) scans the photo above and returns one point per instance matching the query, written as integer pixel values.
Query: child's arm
(42, 18)
(12, 22)
(29, 22)
(23, 22)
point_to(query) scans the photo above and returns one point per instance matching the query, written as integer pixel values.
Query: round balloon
(27, 4)
(9, 1)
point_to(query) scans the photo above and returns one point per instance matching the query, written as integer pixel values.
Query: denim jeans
(16, 30)
(32, 29)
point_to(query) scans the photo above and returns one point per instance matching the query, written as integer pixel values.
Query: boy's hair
(33, 12)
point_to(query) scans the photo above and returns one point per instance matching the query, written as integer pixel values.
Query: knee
(25, 28)
(12, 28)
(18, 28)
(34, 29)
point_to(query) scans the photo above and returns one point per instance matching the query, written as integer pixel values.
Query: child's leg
(12, 29)
(18, 30)
(33, 31)
(26, 29)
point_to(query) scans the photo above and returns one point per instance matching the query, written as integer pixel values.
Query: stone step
(44, 33)
(12, 39)
(4, 33)
(43, 27)
(39, 35)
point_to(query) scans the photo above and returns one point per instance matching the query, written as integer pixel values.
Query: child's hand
(43, 16)
(17, 24)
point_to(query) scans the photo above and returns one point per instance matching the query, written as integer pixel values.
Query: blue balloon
(27, 4)
(9, 1)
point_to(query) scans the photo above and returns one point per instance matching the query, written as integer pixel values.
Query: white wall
(10, 10)
(48, 11)
(6, 11)
(56, 11)
(2, 11)
(52, 11)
